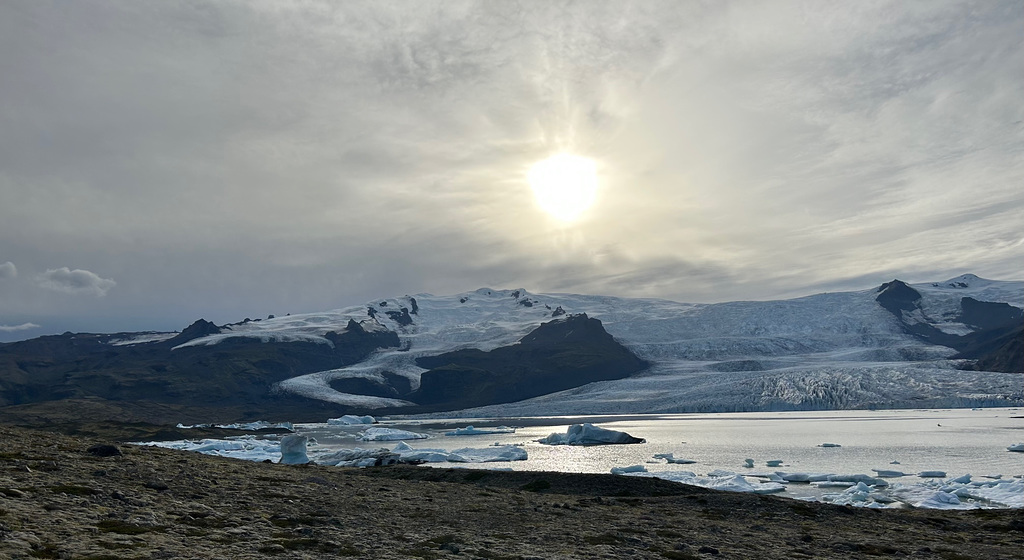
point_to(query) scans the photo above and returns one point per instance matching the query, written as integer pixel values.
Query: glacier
(826, 351)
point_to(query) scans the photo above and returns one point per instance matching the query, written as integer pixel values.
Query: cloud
(16, 328)
(8, 270)
(75, 282)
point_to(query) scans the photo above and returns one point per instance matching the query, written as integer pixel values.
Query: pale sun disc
(564, 185)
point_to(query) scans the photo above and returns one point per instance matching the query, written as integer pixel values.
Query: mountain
(511, 352)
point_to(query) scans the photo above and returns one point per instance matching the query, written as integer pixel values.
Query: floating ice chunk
(932, 474)
(718, 473)
(1019, 447)
(749, 463)
(389, 434)
(894, 462)
(774, 463)
(589, 434)
(737, 483)
(504, 453)
(866, 479)
(833, 484)
(471, 431)
(941, 500)
(830, 445)
(960, 479)
(630, 469)
(358, 458)
(351, 420)
(804, 477)
(668, 457)
(888, 473)
(993, 476)
(293, 450)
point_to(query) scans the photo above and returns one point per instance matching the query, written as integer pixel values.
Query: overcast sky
(165, 161)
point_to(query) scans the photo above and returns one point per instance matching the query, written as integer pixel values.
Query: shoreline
(59, 500)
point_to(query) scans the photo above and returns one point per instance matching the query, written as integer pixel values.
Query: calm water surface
(957, 441)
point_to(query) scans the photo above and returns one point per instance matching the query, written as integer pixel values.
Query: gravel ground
(60, 500)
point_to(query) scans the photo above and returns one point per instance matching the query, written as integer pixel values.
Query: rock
(104, 450)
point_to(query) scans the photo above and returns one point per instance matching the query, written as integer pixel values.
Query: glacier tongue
(826, 351)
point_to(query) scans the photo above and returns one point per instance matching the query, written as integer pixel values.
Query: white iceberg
(249, 426)
(749, 463)
(491, 454)
(804, 477)
(351, 420)
(630, 469)
(1019, 447)
(389, 434)
(293, 450)
(589, 434)
(886, 473)
(733, 483)
(669, 458)
(774, 463)
(932, 474)
(471, 431)
(358, 458)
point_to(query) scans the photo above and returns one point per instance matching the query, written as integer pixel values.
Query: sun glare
(564, 185)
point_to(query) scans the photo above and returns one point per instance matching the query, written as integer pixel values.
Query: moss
(536, 485)
(122, 528)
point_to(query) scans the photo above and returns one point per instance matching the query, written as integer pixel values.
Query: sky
(166, 161)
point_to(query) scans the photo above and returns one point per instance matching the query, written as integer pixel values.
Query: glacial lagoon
(955, 442)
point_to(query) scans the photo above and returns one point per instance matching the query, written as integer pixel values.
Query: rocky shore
(82, 498)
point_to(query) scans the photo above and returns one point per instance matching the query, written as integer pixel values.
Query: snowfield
(826, 351)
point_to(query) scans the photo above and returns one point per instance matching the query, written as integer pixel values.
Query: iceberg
(749, 463)
(589, 434)
(889, 473)
(1019, 447)
(351, 420)
(830, 445)
(669, 458)
(471, 431)
(249, 426)
(358, 458)
(631, 469)
(774, 463)
(932, 474)
(389, 434)
(293, 450)
(491, 454)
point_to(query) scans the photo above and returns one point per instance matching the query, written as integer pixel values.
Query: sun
(564, 185)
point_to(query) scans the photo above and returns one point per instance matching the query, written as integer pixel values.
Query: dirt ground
(58, 499)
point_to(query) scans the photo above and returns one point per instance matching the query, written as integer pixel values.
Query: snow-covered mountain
(832, 350)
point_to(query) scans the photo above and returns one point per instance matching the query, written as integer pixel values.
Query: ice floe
(351, 420)
(630, 469)
(492, 454)
(670, 458)
(886, 473)
(830, 445)
(358, 458)
(1019, 447)
(389, 434)
(589, 434)
(932, 474)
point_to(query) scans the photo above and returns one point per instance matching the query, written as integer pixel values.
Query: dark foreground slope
(57, 500)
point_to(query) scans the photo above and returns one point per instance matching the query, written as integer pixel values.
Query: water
(957, 441)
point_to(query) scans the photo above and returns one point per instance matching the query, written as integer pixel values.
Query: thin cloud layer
(17, 328)
(75, 282)
(8, 270)
(237, 158)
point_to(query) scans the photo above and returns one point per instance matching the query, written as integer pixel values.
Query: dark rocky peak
(401, 316)
(354, 327)
(989, 315)
(558, 311)
(897, 296)
(415, 306)
(199, 329)
(572, 328)
(963, 281)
